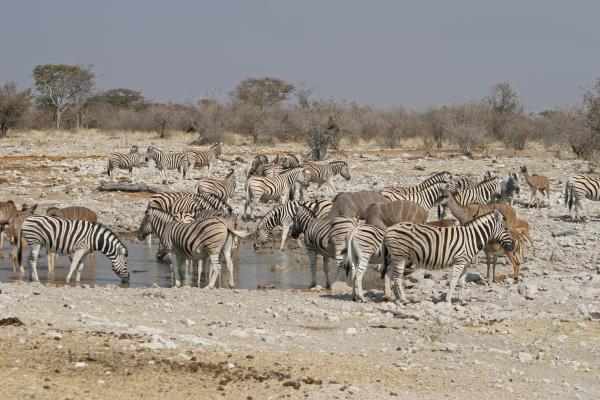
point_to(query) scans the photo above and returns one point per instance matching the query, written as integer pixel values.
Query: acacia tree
(504, 103)
(59, 84)
(82, 90)
(13, 104)
(262, 92)
(121, 98)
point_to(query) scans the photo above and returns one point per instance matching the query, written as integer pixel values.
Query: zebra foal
(79, 238)
(433, 248)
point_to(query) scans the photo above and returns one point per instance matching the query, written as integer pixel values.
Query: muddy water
(265, 267)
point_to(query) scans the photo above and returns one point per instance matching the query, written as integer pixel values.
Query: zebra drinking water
(78, 238)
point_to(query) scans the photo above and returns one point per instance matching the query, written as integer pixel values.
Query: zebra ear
(123, 251)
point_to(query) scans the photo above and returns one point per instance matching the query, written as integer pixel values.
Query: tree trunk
(3, 130)
(57, 118)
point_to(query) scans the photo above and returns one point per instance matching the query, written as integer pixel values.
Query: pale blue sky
(384, 53)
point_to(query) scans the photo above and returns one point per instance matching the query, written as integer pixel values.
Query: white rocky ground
(539, 338)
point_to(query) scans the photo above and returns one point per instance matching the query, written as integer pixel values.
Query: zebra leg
(548, 196)
(284, 233)
(74, 263)
(331, 187)
(312, 256)
(340, 270)
(357, 291)
(80, 268)
(33, 256)
(326, 272)
(457, 271)
(487, 261)
(15, 261)
(226, 251)
(175, 262)
(387, 288)
(397, 278)
(215, 271)
(1, 242)
(494, 263)
(462, 279)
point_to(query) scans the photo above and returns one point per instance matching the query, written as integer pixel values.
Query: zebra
(581, 187)
(363, 245)
(173, 202)
(211, 237)
(392, 191)
(432, 247)
(79, 238)
(290, 161)
(281, 187)
(269, 169)
(509, 189)
(205, 158)
(222, 189)
(323, 173)
(325, 237)
(168, 161)
(256, 162)
(484, 192)
(124, 161)
(426, 198)
(284, 215)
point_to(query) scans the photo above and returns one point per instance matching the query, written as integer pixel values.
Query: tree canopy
(262, 92)
(13, 105)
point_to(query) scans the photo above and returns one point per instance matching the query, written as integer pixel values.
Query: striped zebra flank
(283, 216)
(363, 245)
(117, 161)
(578, 188)
(174, 202)
(425, 198)
(222, 189)
(168, 161)
(210, 238)
(323, 173)
(205, 158)
(269, 169)
(509, 189)
(77, 238)
(484, 192)
(325, 237)
(396, 192)
(434, 248)
(269, 188)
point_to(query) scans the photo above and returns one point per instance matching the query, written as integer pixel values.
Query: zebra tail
(247, 189)
(19, 248)
(384, 258)
(109, 167)
(349, 262)
(568, 194)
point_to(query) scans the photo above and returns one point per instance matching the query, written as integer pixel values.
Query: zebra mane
(338, 162)
(101, 227)
(304, 207)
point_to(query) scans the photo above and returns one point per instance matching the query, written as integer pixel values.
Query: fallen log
(128, 187)
(563, 233)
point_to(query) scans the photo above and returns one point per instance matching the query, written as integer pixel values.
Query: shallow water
(265, 267)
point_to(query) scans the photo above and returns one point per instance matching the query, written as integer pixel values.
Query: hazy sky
(384, 53)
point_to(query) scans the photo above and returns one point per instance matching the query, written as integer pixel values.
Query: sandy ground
(539, 338)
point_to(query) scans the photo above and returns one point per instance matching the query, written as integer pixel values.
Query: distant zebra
(209, 238)
(173, 202)
(323, 173)
(168, 161)
(220, 188)
(433, 248)
(290, 161)
(426, 198)
(325, 237)
(581, 187)
(124, 161)
(205, 158)
(265, 188)
(283, 216)
(484, 192)
(463, 183)
(509, 189)
(269, 169)
(395, 192)
(78, 238)
(363, 245)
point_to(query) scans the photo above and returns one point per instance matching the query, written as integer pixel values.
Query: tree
(13, 104)
(435, 121)
(59, 84)
(262, 92)
(82, 89)
(121, 98)
(504, 103)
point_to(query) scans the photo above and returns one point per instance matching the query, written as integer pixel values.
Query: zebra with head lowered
(280, 187)
(222, 189)
(325, 237)
(210, 238)
(124, 161)
(581, 187)
(283, 216)
(434, 248)
(205, 158)
(168, 161)
(323, 173)
(78, 238)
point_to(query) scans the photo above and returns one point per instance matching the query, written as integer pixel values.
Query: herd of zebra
(387, 226)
